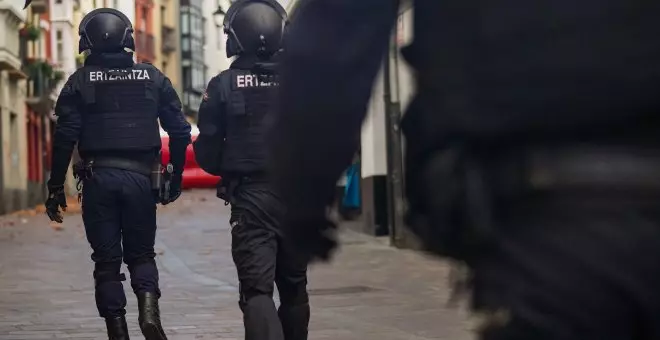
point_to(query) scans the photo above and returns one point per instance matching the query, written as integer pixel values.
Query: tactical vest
(120, 109)
(248, 100)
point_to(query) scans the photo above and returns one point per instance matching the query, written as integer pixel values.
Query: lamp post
(219, 16)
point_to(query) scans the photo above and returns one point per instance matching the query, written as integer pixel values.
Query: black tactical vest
(120, 109)
(248, 98)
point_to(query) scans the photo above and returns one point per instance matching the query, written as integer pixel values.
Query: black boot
(149, 318)
(117, 328)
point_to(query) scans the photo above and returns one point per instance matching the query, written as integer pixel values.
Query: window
(203, 30)
(59, 45)
(194, 102)
(185, 44)
(58, 1)
(194, 24)
(185, 23)
(187, 77)
(196, 46)
(198, 77)
(145, 13)
(144, 18)
(115, 4)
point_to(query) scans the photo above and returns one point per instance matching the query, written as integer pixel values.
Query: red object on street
(193, 175)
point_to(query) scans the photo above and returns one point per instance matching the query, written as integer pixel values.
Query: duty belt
(123, 164)
(576, 167)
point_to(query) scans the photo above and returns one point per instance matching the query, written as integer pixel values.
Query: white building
(215, 56)
(62, 35)
(13, 141)
(125, 6)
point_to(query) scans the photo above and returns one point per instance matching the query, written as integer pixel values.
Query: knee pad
(147, 260)
(108, 272)
(247, 294)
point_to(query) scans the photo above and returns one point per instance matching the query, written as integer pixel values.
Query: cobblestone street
(370, 291)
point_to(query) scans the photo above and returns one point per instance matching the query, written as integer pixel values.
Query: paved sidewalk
(370, 291)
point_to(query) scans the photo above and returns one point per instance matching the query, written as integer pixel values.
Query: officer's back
(111, 108)
(249, 91)
(120, 101)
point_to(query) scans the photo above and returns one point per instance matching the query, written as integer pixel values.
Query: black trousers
(119, 213)
(263, 259)
(571, 266)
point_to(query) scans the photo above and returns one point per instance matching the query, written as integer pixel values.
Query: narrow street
(370, 291)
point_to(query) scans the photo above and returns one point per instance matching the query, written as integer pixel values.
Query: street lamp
(219, 16)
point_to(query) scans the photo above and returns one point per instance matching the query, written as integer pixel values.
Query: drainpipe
(395, 193)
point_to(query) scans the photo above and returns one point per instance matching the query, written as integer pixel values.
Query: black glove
(56, 200)
(174, 191)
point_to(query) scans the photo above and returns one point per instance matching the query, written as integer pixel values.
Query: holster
(156, 176)
(226, 189)
(82, 169)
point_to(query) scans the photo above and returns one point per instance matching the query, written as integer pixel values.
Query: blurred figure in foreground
(111, 108)
(532, 152)
(232, 120)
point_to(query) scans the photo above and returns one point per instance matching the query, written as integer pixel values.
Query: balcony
(41, 85)
(11, 64)
(39, 6)
(169, 38)
(144, 46)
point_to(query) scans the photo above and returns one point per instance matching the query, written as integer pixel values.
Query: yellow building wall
(165, 15)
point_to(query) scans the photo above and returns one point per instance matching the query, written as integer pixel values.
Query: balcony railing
(144, 46)
(41, 84)
(169, 38)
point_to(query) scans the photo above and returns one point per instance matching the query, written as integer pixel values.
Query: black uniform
(532, 150)
(232, 122)
(111, 107)
(233, 117)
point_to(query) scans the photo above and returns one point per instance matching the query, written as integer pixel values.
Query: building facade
(145, 44)
(215, 53)
(44, 79)
(166, 29)
(13, 153)
(193, 68)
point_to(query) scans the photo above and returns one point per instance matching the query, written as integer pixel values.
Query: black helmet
(255, 27)
(105, 30)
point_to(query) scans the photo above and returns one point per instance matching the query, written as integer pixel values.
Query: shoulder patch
(205, 96)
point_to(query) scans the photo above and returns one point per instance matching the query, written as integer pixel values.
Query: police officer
(232, 121)
(111, 107)
(531, 150)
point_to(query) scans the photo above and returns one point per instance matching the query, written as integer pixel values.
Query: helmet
(105, 30)
(255, 27)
